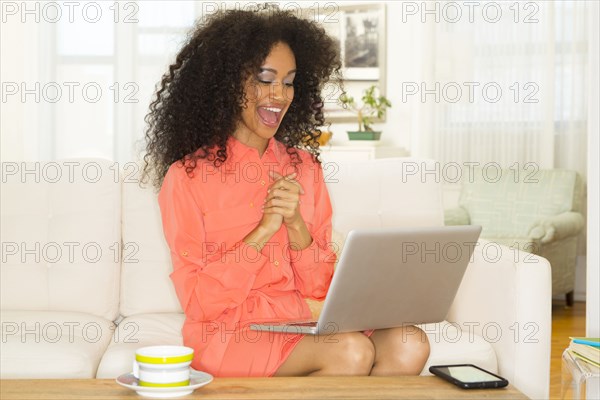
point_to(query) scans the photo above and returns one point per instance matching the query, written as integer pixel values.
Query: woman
(245, 211)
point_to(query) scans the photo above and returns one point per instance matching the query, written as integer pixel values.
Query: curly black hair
(200, 98)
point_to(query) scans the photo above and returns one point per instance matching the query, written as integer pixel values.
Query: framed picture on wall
(360, 29)
(362, 32)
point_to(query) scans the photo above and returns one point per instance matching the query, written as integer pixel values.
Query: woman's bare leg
(400, 351)
(340, 354)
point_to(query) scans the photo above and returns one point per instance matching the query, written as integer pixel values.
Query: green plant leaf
(373, 104)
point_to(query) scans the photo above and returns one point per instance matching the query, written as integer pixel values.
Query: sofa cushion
(52, 344)
(388, 192)
(61, 236)
(451, 345)
(145, 283)
(135, 332)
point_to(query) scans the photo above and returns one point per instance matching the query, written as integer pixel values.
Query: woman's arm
(206, 283)
(299, 234)
(313, 261)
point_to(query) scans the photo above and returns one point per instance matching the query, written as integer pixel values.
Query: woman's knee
(355, 354)
(400, 351)
(414, 353)
(359, 351)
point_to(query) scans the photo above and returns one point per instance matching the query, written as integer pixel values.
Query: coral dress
(224, 284)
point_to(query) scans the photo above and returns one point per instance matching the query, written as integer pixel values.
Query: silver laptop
(391, 277)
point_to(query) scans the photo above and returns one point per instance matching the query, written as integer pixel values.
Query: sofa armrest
(456, 216)
(557, 227)
(506, 297)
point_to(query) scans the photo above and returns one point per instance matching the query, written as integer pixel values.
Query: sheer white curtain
(508, 87)
(80, 76)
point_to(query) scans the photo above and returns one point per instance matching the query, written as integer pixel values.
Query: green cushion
(508, 204)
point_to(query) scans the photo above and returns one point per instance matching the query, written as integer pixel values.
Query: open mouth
(270, 116)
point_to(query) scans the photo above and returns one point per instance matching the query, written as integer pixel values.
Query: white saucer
(197, 379)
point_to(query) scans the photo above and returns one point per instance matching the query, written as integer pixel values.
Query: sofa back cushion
(376, 193)
(61, 236)
(145, 283)
(506, 203)
(389, 192)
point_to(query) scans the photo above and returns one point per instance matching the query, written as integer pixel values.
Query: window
(104, 65)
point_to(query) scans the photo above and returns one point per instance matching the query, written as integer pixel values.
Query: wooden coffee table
(413, 387)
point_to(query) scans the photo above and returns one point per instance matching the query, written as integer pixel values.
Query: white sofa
(85, 271)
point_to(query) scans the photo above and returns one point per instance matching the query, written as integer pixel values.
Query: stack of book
(587, 350)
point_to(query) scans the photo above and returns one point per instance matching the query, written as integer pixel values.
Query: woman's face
(269, 94)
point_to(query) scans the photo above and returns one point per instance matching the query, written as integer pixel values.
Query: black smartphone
(468, 376)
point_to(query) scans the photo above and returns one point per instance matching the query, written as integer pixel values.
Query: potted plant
(373, 105)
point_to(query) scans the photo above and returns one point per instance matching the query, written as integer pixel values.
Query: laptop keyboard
(309, 324)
